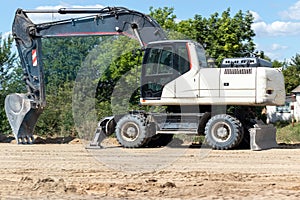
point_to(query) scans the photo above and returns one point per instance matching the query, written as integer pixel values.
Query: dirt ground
(70, 171)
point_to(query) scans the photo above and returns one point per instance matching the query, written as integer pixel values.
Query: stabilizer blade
(263, 137)
(22, 114)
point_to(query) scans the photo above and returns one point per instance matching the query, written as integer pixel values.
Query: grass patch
(287, 133)
(195, 139)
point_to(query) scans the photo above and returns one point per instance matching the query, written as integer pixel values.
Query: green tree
(119, 59)
(10, 78)
(295, 61)
(167, 20)
(62, 58)
(278, 64)
(292, 74)
(222, 36)
(291, 78)
(164, 16)
(57, 119)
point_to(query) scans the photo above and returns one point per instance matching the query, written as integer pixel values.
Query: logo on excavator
(238, 71)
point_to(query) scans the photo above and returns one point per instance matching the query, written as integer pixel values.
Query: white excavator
(175, 74)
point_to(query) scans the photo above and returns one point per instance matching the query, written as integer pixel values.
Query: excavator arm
(23, 110)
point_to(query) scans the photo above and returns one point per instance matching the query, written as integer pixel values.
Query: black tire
(159, 140)
(245, 142)
(131, 131)
(223, 132)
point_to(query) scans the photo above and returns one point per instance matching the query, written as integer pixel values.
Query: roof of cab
(169, 41)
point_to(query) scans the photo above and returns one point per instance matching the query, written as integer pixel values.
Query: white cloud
(272, 55)
(47, 17)
(273, 51)
(292, 12)
(291, 27)
(256, 16)
(68, 6)
(277, 28)
(5, 35)
(276, 47)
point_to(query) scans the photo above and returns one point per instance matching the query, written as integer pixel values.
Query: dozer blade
(22, 115)
(262, 137)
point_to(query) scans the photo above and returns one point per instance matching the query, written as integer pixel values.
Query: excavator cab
(163, 62)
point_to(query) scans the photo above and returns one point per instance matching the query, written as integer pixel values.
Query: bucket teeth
(29, 139)
(22, 114)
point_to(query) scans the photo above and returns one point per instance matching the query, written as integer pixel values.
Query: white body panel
(223, 86)
(209, 82)
(239, 89)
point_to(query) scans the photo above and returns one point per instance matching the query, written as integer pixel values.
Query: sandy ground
(69, 171)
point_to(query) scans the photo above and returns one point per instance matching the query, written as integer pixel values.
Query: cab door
(157, 70)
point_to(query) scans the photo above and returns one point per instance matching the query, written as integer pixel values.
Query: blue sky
(277, 23)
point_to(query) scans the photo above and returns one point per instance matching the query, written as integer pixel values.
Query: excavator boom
(23, 110)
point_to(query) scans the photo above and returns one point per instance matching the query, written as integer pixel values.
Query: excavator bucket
(22, 115)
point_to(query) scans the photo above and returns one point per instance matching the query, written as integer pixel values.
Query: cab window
(159, 61)
(167, 59)
(201, 56)
(182, 64)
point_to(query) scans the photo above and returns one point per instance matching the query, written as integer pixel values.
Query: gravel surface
(70, 171)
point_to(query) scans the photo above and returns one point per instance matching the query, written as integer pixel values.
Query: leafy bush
(287, 133)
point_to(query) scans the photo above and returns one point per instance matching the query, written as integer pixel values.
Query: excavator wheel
(223, 132)
(131, 131)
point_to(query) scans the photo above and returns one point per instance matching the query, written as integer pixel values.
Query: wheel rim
(221, 132)
(130, 131)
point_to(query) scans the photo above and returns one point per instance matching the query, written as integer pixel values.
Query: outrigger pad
(105, 128)
(22, 116)
(262, 137)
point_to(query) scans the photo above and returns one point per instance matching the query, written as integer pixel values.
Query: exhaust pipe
(22, 113)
